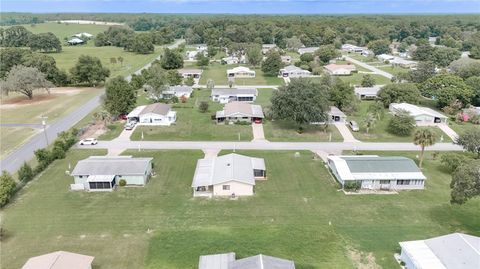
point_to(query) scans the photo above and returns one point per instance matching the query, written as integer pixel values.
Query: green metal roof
(381, 164)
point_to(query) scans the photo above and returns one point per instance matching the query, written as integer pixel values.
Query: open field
(379, 133)
(393, 70)
(193, 125)
(287, 131)
(356, 79)
(13, 137)
(161, 226)
(218, 73)
(63, 30)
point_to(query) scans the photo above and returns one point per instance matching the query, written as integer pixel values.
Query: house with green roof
(377, 173)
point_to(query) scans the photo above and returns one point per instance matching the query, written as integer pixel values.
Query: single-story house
(286, 59)
(239, 111)
(227, 95)
(403, 63)
(201, 47)
(367, 93)
(353, 48)
(227, 261)
(336, 115)
(422, 115)
(194, 73)
(154, 114)
(75, 41)
(227, 175)
(178, 91)
(377, 173)
(83, 35)
(432, 40)
(340, 69)
(59, 260)
(307, 50)
(451, 251)
(191, 55)
(268, 47)
(234, 60)
(385, 57)
(103, 173)
(240, 72)
(293, 71)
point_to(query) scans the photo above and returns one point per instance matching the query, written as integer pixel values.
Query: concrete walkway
(286, 80)
(210, 153)
(369, 67)
(258, 134)
(448, 131)
(345, 132)
(125, 134)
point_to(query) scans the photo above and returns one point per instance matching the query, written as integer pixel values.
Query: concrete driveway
(448, 131)
(345, 132)
(258, 134)
(125, 134)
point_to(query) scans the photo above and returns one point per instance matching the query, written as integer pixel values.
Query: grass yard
(460, 127)
(192, 125)
(218, 73)
(359, 68)
(63, 30)
(393, 70)
(379, 133)
(17, 108)
(162, 227)
(264, 96)
(276, 131)
(131, 61)
(359, 57)
(356, 79)
(13, 137)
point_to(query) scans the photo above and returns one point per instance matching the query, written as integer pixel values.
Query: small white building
(178, 91)
(239, 112)
(234, 60)
(293, 71)
(385, 57)
(286, 59)
(367, 93)
(340, 69)
(192, 72)
(422, 115)
(154, 114)
(227, 261)
(377, 173)
(268, 47)
(75, 41)
(192, 55)
(451, 251)
(83, 35)
(227, 95)
(240, 72)
(59, 260)
(304, 50)
(353, 48)
(227, 175)
(103, 173)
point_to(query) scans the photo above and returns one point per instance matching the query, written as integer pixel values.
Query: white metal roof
(421, 255)
(100, 178)
(368, 90)
(111, 165)
(59, 260)
(136, 112)
(234, 91)
(262, 262)
(230, 167)
(239, 69)
(417, 110)
(216, 261)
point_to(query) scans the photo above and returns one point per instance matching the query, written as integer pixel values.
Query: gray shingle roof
(157, 108)
(262, 262)
(380, 164)
(108, 165)
(243, 108)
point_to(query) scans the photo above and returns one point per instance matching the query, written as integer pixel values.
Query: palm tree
(424, 137)
(369, 121)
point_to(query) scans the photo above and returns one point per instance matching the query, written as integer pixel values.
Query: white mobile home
(178, 91)
(307, 50)
(103, 173)
(367, 93)
(227, 261)
(240, 72)
(422, 115)
(293, 71)
(239, 112)
(227, 175)
(194, 73)
(227, 95)
(377, 173)
(154, 114)
(451, 251)
(340, 69)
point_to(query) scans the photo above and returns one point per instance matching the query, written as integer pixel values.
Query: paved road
(369, 67)
(261, 145)
(12, 162)
(240, 86)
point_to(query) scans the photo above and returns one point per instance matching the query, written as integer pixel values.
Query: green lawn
(460, 127)
(287, 131)
(359, 57)
(62, 30)
(218, 73)
(356, 79)
(192, 125)
(379, 133)
(113, 130)
(13, 137)
(264, 96)
(393, 70)
(161, 226)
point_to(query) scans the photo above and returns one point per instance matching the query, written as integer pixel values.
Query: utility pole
(44, 124)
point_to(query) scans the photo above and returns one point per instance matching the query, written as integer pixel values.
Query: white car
(88, 141)
(354, 126)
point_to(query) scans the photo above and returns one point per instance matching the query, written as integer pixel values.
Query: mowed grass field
(161, 226)
(63, 30)
(379, 132)
(193, 125)
(218, 73)
(13, 137)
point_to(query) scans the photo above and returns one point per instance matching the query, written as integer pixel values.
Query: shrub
(401, 124)
(7, 188)
(203, 106)
(453, 160)
(25, 173)
(352, 185)
(122, 182)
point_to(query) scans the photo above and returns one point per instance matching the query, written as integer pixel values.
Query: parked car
(129, 126)
(123, 117)
(88, 141)
(353, 125)
(258, 121)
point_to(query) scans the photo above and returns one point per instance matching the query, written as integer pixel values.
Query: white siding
(237, 188)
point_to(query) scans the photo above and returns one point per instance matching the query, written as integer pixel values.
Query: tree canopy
(26, 80)
(89, 70)
(399, 93)
(272, 64)
(119, 98)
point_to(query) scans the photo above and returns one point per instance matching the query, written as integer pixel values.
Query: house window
(258, 173)
(226, 187)
(384, 181)
(403, 182)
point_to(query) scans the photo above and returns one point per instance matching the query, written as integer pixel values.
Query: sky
(245, 6)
